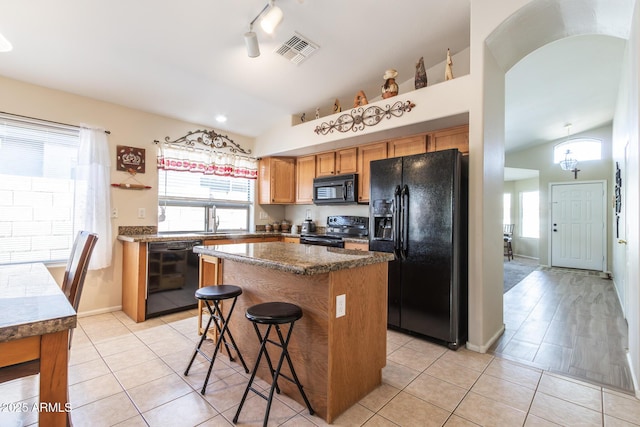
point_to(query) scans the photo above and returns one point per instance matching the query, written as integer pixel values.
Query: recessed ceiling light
(5, 46)
(220, 118)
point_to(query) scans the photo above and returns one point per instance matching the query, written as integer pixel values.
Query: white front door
(578, 232)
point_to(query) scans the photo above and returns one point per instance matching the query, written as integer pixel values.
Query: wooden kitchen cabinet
(276, 180)
(287, 239)
(367, 154)
(305, 172)
(326, 164)
(407, 146)
(347, 161)
(337, 162)
(358, 246)
(457, 137)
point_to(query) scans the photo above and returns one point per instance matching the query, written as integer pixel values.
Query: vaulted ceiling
(187, 59)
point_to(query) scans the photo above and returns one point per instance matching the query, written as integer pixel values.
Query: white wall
(540, 157)
(626, 129)
(522, 246)
(103, 288)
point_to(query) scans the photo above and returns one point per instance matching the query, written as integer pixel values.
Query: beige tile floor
(128, 374)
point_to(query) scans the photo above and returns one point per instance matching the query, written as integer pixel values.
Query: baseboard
(525, 256)
(100, 311)
(634, 378)
(485, 347)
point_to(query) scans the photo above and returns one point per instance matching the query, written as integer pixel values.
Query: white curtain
(92, 204)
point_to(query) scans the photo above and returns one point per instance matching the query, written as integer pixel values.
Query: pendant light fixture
(269, 22)
(570, 163)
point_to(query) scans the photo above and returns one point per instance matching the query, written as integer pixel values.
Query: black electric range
(338, 227)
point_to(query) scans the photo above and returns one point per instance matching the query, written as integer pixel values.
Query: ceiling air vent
(297, 49)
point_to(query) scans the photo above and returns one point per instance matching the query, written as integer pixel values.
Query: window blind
(37, 163)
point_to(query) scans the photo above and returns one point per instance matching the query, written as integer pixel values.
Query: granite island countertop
(292, 258)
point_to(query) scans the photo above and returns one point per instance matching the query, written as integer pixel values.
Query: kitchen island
(338, 357)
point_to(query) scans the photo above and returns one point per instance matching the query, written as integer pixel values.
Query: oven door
(322, 241)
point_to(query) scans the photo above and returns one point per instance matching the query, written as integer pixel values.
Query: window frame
(209, 205)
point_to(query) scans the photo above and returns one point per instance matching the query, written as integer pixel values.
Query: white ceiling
(187, 59)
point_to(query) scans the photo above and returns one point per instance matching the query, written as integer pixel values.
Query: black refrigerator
(418, 211)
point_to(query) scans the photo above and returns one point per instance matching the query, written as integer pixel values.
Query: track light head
(272, 19)
(251, 42)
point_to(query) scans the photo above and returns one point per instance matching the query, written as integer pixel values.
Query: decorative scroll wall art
(209, 138)
(359, 118)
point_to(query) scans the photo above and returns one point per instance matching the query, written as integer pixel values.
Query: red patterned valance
(207, 162)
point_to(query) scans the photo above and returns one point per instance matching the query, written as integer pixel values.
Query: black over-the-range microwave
(335, 190)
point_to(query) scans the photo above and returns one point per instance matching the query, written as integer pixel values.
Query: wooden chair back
(77, 266)
(72, 285)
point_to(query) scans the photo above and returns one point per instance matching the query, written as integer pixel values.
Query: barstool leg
(285, 353)
(263, 343)
(229, 335)
(284, 343)
(204, 336)
(216, 316)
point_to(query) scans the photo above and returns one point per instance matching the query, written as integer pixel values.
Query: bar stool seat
(214, 295)
(273, 314)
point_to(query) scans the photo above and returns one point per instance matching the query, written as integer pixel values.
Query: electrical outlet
(341, 305)
(264, 215)
(142, 212)
(114, 213)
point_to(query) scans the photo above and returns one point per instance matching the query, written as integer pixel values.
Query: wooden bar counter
(339, 360)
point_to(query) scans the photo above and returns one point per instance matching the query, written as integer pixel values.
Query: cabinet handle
(273, 200)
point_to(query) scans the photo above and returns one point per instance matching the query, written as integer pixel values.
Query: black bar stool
(215, 294)
(273, 314)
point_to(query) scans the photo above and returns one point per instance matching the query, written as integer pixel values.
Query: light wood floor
(570, 322)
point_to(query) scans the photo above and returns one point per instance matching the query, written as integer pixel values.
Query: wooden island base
(338, 360)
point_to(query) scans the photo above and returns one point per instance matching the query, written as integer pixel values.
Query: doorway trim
(605, 232)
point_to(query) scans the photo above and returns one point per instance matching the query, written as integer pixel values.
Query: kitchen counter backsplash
(135, 230)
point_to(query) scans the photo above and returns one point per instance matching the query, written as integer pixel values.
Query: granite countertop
(32, 303)
(156, 237)
(296, 259)
(159, 237)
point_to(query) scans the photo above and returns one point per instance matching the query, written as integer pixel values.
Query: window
(530, 213)
(582, 149)
(506, 208)
(195, 202)
(38, 161)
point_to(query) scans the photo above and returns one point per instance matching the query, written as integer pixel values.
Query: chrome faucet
(214, 220)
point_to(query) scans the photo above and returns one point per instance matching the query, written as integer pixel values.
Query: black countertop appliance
(418, 211)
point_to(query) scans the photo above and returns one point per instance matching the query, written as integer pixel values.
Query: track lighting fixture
(271, 17)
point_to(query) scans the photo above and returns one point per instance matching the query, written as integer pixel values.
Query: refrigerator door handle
(396, 221)
(405, 222)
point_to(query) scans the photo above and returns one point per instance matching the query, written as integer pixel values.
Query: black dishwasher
(172, 277)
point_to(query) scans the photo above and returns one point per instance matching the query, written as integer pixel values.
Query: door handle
(623, 242)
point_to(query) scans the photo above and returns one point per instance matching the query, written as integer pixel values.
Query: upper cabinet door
(367, 154)
(305, 172)
(347, 161)
(326, 164)
(408, 146)
(277, 180)
(457, 137)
